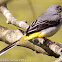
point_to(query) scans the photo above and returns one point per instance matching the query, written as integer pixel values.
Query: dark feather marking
(8, 47)
(40, 26)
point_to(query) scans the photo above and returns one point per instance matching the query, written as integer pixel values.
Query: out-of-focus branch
(12, 20)
(2, 2)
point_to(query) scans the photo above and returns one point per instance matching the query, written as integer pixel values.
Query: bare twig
(12, 20)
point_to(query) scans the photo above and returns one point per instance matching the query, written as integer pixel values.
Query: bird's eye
(59, 7)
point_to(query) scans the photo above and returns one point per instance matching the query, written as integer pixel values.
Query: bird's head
(54, 9)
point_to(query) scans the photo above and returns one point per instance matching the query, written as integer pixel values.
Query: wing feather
(40, 25)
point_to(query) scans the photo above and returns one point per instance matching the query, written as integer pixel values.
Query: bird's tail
(8, 47)
(24, 38)
(12, 45)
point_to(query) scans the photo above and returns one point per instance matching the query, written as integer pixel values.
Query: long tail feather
(8, 47)
(24, 38)
(12, 45)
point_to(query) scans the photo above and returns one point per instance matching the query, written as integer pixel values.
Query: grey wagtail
(45, 25)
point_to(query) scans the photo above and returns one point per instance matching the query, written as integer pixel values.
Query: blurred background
(28, 10)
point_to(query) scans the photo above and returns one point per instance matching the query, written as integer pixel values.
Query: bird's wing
(40, 25)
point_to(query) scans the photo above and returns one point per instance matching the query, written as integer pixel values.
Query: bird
(46, 25)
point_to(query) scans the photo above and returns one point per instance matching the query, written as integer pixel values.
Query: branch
(2, 2)
(12, 20)
(59, 59)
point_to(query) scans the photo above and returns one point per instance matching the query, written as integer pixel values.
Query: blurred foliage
(21, 10)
